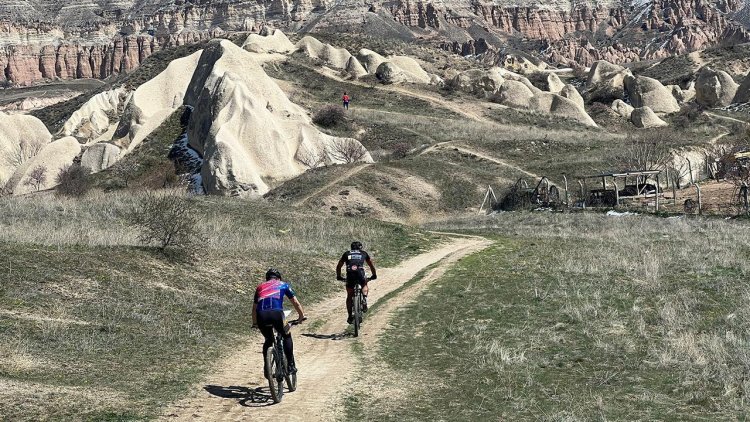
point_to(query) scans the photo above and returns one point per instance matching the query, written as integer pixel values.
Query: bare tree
(125, 169)
(167, 219)
(19, 154)
(37, 177)
(312, 159)
(347, 150)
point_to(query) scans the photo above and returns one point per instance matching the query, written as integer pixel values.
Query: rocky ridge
(98, 39)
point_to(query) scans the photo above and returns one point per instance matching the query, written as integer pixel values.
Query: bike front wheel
(275, 375)
(291, 379)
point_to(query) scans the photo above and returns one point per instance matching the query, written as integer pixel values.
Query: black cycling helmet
(273, 273)
(356, 246)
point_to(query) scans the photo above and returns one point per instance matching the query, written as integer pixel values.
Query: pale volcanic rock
(53, 157)
(154, 101)
(268, 41)
(355, 68)
(714, 88)
(93, 118)
(247, 131)
(100, 156)
(648, 92)
(682, 95)
(554, 84)
(19, 133)
(557, 105)
(743, 91)
(606, 82)
(335, 57)
(479, 82)
(389, 73)
(513, 94)
(622, 108)
(570, 92)
(370, 60)
(645, 118)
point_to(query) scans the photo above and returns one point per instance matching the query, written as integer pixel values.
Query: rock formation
(648, 92)
(743, 92)
(606, 82)
(21, 137)
(645, 118)
(52, 158)
(714, 88)
(557, 105)
(247, 131)
(622, 108)
(268, 41)
(92, 120)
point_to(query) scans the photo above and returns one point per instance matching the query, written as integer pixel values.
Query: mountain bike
(359, 305)
(276, 368)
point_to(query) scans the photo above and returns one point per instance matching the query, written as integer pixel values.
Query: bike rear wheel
(357, 312)
(275, 371)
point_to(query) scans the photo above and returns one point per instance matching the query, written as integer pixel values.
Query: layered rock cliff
(98, 38)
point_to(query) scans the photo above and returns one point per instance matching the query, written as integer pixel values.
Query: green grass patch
(574, 317)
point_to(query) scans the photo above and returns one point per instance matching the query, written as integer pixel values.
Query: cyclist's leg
(280, 324)
(265, 322)
(349, 299)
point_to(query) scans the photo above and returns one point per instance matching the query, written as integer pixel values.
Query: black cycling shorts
(270, 320)
(355, 277)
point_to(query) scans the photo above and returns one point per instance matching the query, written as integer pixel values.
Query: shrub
(330, 116)
(347, 150)
(400, 150)
(166, 218)
(73, 180)
(37, 177)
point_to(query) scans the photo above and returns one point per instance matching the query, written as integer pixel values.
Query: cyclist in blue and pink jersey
(268, 313)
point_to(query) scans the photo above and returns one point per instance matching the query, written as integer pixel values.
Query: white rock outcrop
(622, 108)
(743, 91)
(714, 88)
(268, 41)
(557, 105)
(648, 92)
(645, 118)
(95, 117)
(247, 131)
(52, 158)
(21, 137)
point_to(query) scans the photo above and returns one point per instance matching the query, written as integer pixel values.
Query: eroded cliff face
(99, 38)
(618, 32)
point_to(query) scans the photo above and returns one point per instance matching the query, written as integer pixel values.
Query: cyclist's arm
(255, 314)
(339, 266)
(298, 308)
(372, 268)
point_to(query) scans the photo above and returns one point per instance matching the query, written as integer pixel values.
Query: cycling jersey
(270, 295)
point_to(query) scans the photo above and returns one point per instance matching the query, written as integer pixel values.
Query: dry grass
(582, 317)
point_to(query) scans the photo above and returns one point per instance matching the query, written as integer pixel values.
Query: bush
(166, 218)
(330, 116)
(400, 150)
(73, 180)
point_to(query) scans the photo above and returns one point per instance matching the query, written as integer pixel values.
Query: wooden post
(583, 198)
(700, 201)
(744, 198)
(657, 193)
(617, 192)
(667, 174)
(674, 192)
(604, 184)
(690, 170)
(567, 197)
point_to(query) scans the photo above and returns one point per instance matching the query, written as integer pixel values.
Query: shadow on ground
(248, 397)
(335, 336)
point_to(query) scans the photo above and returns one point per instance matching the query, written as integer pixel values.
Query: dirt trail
(479, 154)
(731, 119)
(237, 390)
(332, 183)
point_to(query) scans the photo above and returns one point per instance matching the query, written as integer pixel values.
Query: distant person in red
(346, 100)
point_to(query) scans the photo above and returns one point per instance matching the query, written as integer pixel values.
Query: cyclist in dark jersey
(355, 260)
(268, 313)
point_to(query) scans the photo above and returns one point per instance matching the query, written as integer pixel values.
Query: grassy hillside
(573, 317)
(95, 327)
